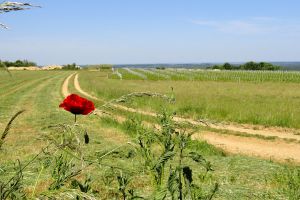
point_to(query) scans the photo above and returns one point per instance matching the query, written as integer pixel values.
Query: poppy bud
(86, 138)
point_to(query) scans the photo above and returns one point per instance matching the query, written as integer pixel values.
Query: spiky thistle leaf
(163, 159)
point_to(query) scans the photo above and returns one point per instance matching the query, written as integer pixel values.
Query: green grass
(240, 177)
(265, 103)
(211, 75)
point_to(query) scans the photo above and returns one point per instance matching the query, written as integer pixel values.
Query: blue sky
(153, 31)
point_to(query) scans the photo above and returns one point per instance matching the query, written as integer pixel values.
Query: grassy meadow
(111, 165)
(268, 103)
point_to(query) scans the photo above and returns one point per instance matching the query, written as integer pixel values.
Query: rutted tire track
(277, 150)
(65, 90)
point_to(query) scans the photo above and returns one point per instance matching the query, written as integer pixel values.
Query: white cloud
(255, 25)
(262, 18)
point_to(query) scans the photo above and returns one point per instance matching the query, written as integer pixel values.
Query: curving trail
(78, 88)
(279, 150)
(64, 89)
(273, 150)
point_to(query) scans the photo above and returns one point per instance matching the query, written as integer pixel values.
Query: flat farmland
(249, 135)
(267, 103)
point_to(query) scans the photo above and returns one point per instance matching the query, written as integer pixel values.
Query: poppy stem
(75, 118)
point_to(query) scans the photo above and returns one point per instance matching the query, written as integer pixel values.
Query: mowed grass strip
(24, 128)
(17, 79)
(26, 138)
(13, 97)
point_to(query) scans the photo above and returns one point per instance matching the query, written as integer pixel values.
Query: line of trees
(247, 66)
(100, 67)
(17, 63)
(72, 66)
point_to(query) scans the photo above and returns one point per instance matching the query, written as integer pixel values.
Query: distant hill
(288, 65)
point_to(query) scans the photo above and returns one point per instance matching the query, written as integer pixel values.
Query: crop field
(245, 142)
(219, 96)
(209, 75)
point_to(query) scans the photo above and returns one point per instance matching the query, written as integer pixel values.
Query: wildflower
(77, 105)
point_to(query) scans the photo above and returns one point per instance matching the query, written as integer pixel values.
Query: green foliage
(287, 181)
(100, 67)
(227, 66)
(85, 186)
(17, 63)
(123, 187)
(166, 150)
(72, 66)
(104, 67)
(62, 172)
(14, 188)
(247, 66)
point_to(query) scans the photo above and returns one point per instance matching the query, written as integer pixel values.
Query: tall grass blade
(8, 127)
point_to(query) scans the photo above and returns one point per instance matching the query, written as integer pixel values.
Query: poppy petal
(77, 105)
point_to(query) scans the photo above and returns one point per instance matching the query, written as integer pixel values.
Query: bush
(17, 63)
(71, 67)
(247, 66)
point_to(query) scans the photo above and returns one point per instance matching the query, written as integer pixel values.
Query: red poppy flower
(77, 105)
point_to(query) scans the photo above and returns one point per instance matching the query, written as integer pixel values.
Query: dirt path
(78, 88)
(273, 150)
(64, 89)
(278, 149)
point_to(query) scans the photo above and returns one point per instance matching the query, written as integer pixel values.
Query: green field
(268, 103)
(269, 100)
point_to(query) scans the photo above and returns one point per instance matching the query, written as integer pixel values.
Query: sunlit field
(149, 100)
(263, 98)
(113, 138)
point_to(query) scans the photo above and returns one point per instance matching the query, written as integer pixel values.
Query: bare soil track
(284, 146)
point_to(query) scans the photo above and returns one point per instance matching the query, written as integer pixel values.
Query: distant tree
(6, 7)
(104, 67)
(259, 66)
(216, 67)
(72, 66)
(227, 66)
(161, 67)
(268, 66)
(248, 66)
(19, 63)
